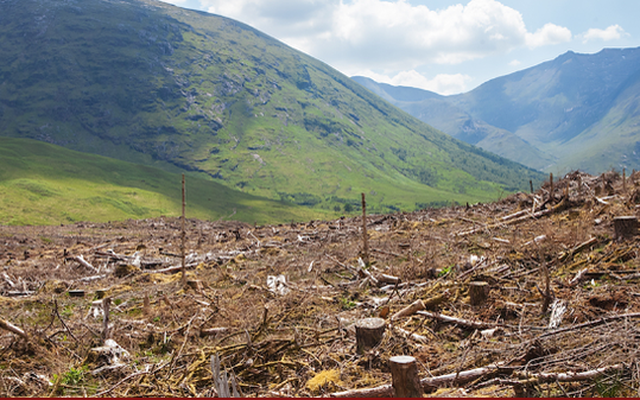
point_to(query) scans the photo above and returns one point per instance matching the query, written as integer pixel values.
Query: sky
(445, 46)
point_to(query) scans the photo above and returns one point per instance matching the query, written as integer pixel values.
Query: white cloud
(515, 63)
(613, 32)
(548, 34)
(444, 84)
(392, 35)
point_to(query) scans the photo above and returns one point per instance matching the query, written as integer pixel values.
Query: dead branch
(427, 383)
(80, 259)
(589, 324)
(569, 376)
(409, 310)
(6, 325)
(458, 321)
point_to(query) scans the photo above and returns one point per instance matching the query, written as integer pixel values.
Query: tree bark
(625, 227)
(369, 332)
(478, 292)
(404, 375)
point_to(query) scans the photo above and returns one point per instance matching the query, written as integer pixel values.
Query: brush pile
(534, 295)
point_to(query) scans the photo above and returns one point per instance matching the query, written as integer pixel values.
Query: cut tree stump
(369, 332)
(478, 292)
(625, 227)
(404, 375)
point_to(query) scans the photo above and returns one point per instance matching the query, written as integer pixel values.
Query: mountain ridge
(182, 90)
(547, 109)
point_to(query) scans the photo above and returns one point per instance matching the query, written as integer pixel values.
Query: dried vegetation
(271, 310)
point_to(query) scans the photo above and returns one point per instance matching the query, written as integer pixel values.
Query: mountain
(558, 104)
(578, 111)
(442, 114)
(146, 82)
(44, 184)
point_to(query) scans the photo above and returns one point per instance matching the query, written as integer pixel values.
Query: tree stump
(404, 375)
(625, 227)
(478, 292)
(369, 333)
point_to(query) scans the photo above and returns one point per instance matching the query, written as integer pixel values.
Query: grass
(43, 184)
(153, 84)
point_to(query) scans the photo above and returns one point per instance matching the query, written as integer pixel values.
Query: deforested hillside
(532, 296)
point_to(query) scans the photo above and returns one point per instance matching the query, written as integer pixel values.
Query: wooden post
(478, 292)
(404, 375)
(365, 256)
(369, 332)
(625, 227)
(184, 275)
(551, 186)
(531, 185)
(106, 302)
(146, 310)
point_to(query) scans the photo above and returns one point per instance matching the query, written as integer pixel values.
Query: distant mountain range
(579, 111)
(154, 84)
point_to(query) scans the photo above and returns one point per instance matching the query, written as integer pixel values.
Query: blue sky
(441, 45)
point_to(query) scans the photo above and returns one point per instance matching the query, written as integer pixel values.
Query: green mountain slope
(143, 81)
(556, 105)
(577, 111)
(439, 112)
(613, 141)
(43, 184)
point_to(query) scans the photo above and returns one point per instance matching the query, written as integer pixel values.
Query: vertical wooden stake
(531, 185)
(106, 302)
(184, 275)
(146, 305)
(551, 188)
(404, 375)
(364, 231)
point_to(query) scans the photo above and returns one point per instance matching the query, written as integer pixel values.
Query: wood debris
(268, 310)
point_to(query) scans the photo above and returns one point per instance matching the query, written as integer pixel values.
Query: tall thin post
(184, 275)
(364, 231)
(531, 185)
(106, 302)
(551, 188)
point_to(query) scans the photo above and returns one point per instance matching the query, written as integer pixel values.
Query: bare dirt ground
(278, 305)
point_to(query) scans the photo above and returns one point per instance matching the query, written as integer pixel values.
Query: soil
(276, 306)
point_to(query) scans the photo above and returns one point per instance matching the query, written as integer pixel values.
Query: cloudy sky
(446, 46)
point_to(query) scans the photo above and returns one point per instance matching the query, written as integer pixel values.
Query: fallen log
(409, 310)
(458, 321)
(84, 263)
(430, 383)
(558, 207)
(569, 376)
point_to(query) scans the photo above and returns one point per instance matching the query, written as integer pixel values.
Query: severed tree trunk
(404, 375)
(369, 332)
(478, 292)
(625, 227)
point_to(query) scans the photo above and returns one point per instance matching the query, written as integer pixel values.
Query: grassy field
(43, 184)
